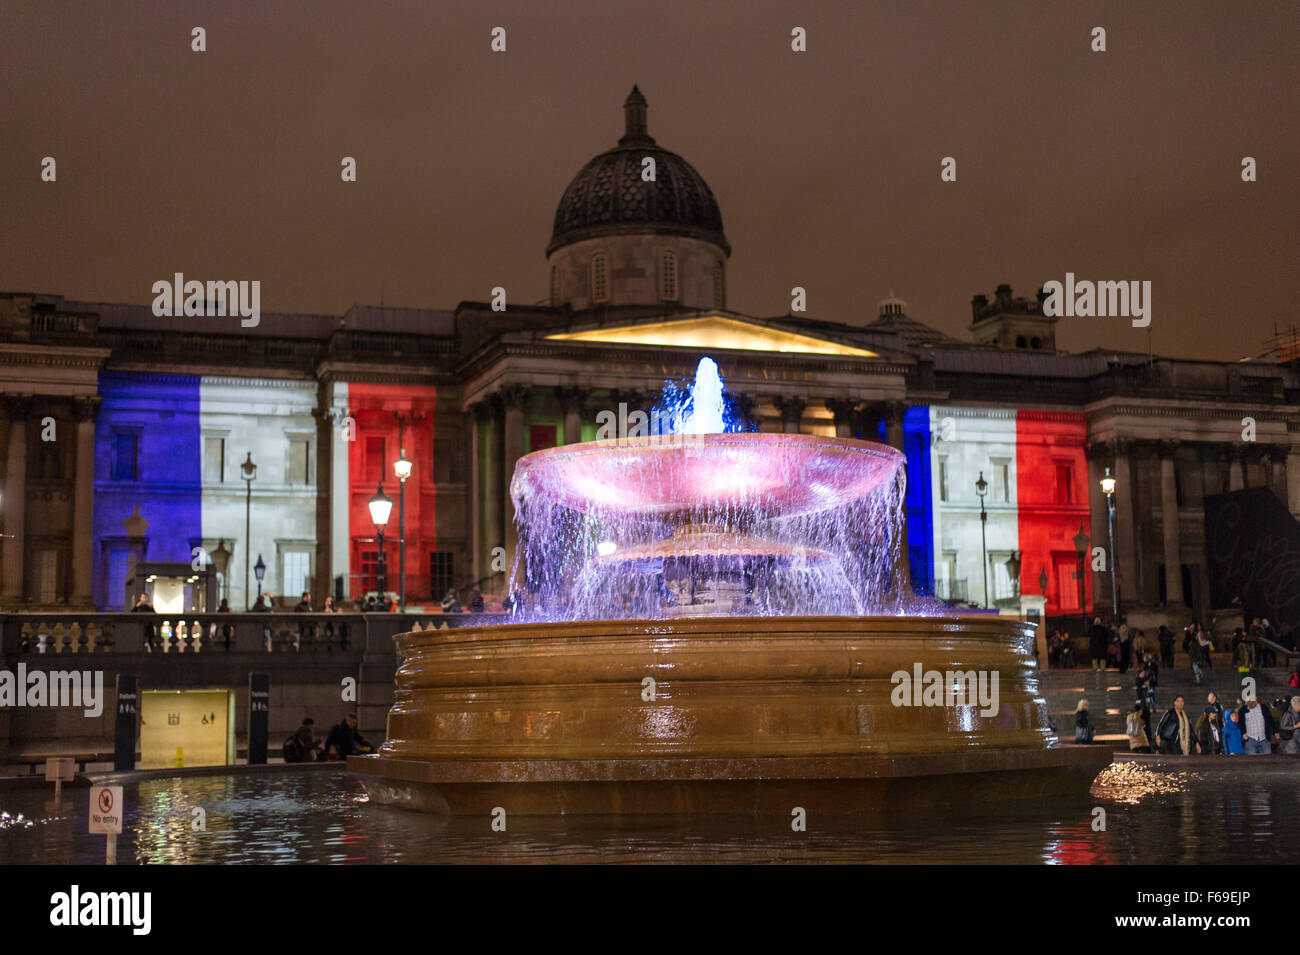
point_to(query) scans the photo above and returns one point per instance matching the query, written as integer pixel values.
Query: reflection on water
(1216, 812)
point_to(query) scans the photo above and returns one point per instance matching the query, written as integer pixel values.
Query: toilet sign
(106, 809)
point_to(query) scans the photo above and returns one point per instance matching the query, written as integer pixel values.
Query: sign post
(106, 817)
(126, 730)
(259, 717)
(58, 769)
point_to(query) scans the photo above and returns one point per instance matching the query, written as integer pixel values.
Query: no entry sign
(106, 809)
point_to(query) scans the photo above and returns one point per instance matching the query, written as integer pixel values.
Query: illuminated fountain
(713, 620)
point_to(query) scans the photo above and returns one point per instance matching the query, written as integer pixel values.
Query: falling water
(705, 520)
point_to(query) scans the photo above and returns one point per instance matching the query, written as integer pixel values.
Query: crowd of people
(1250, 727)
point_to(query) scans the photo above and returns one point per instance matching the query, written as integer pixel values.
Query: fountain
(707, 619)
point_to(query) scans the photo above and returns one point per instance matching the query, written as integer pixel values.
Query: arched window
(555, 286)
(1020, 341)
(599, 278)
(1035, 343)
(719, 287)
(668, 276)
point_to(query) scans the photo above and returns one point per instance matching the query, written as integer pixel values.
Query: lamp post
(402, 468)
(249, 470)
(1108, 488)
(381, 505)
(1081, 549)
(982, 488)
(259, 571)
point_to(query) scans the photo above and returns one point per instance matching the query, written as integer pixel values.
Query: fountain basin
(550, 717)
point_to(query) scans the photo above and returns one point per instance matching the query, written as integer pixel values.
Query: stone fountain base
(716, 714)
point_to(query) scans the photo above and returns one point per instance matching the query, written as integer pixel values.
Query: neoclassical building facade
(156, 417)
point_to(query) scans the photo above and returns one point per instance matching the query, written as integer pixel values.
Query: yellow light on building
(713, 331)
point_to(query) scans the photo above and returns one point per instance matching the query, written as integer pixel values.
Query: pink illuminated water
(701, 522)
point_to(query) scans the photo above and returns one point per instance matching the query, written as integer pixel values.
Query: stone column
(514, 398)
(1277, 455)
(791, 410)
(1169, 521)
(1125, 526)
(83, 503)
(474, 533)
(894, 423)
(745, 408)
(496, 480)
(572, 402)
(1236, 474)
(14, 505)
(842, 409)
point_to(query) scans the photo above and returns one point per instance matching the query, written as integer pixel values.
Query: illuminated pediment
(713, 331)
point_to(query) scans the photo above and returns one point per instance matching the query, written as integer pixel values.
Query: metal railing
(213, 633)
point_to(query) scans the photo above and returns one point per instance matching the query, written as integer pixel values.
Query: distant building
(157, 415)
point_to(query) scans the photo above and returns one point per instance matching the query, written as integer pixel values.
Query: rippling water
(1209, 812)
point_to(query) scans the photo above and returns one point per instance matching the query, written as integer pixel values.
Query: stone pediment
(713, 332)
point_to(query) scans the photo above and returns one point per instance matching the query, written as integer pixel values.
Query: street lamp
(249, 470)
(402, 468)
(1108, 488)
(1081, 541)
(381, 505)
(259, 571)
(982, 488)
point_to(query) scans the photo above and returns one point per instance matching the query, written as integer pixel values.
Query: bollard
(180, 757)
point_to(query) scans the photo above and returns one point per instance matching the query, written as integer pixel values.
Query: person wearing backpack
(1136, 731)
(301, 746)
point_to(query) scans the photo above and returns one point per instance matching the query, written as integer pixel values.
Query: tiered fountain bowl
(717, 687)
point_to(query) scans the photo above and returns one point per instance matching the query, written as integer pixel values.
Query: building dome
(609, 197)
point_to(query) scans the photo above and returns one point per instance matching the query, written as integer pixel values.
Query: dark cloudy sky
(225, 164)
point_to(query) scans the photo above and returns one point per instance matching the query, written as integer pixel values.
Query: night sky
(225, 164)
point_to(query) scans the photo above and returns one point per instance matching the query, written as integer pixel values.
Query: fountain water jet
(757, 581)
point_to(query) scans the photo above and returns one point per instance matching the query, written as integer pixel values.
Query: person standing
(1097, 639)
(1257, 728)
(1232, 735)
(1175, 731)
(1125, 637)
(1194, 656)
(1165, 637)
(1136, 730)
(1207, 733)
(1287, 729)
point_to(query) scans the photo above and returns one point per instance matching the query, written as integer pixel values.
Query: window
(599, 278)
(300, 460)
(118, 561)
(376, 459)
(45, 583)
(668, 276)
(296, 578)
(1035, 343)
(214, 460)
(943, 478)
(1000, 585)
(126, 449)
(1001, 468)
(719, 287)
(1067, 582)
(1064, 484)
(441, 573)
(370, 569)
(1020, 341)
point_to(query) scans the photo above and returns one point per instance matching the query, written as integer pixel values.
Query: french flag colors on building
(169, 479)
(1036, 502)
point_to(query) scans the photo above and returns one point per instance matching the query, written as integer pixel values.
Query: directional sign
(106, 809)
